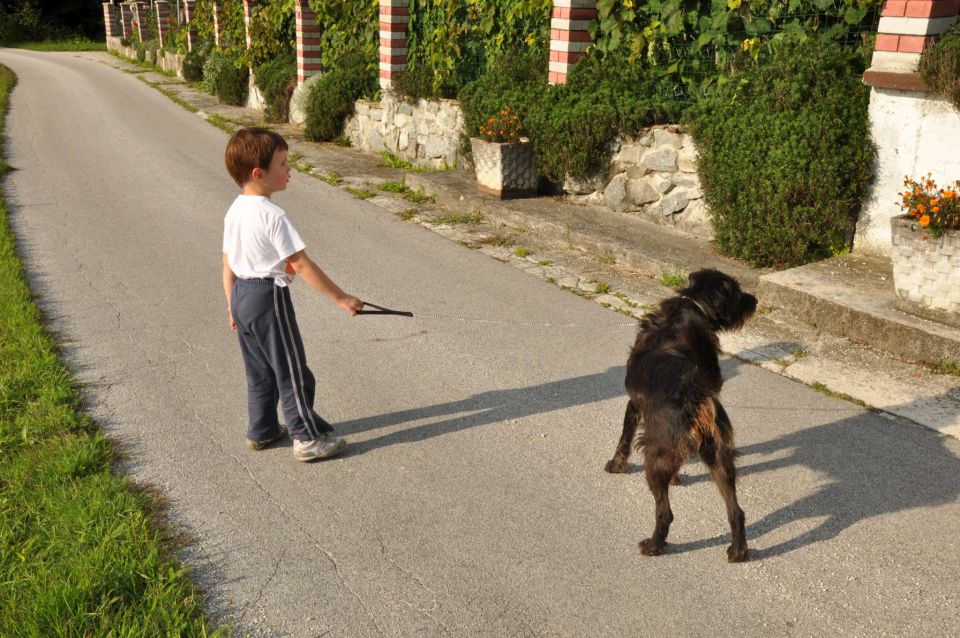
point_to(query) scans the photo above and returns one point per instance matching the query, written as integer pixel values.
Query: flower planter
(504, 170)
(926, 271)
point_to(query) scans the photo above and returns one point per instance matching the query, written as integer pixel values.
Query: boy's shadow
(486, 408)
(874, 466)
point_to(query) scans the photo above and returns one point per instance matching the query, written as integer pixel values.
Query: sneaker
(259, 445)
(322, 448)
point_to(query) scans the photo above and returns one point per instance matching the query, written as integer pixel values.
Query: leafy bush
(940, 66)
(223, 78)
(332, 97)
(194, 61)
(233, 84)
(573, 125)
(786, 156)
(276, 80)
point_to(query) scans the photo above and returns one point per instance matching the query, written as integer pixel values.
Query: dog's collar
(697, 304)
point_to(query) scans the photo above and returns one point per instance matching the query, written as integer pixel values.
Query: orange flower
(935, 209)
(921, 208)
(950, 194)
(925, 221)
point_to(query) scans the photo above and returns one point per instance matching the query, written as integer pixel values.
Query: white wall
(915, 133)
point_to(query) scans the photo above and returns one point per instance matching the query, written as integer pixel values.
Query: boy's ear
(256, 174)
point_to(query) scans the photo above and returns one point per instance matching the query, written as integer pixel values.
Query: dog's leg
(631, 419)
(719, 459)
(661, 466)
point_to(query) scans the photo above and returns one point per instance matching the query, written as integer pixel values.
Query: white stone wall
(915, 134)
(655, 176)
(426, 133)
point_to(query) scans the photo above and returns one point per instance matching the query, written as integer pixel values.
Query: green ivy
(697, 42)
(940, 66)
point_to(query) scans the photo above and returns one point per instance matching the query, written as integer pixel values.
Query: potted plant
(503, 158)
(926, 251)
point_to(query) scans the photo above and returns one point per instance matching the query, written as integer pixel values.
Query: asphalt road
(472, 501)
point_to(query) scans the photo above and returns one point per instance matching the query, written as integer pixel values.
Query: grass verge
(83, 552)
(70, 44)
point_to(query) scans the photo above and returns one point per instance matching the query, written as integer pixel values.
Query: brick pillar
(248, 18)
(189, 8)
(308, 41)
(126, 18)
(217, 10)
(110, 20)
(141, 13)
(394, 19)
(569, 37)
(907, 28)
(163, 21)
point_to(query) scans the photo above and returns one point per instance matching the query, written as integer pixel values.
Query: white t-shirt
(258, 237)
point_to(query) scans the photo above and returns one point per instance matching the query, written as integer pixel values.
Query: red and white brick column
(308, 41)
(141, 13)
(908, 28)
(569, 37)
(110, 22)
(394, 19)
(248, 19)
(162, 8)
(189, 13)
(126, 20)
(217, 19)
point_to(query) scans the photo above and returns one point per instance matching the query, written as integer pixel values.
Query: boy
(262, 253)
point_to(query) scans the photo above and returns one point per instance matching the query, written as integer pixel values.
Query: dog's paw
(650, 548)
(676, 480)
(617, 466)
(737, 554)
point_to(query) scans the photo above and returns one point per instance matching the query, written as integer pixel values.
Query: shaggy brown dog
(673, 380)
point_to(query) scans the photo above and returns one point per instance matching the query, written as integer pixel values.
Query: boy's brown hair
(251, 148)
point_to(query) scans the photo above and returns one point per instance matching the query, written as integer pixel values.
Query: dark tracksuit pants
(275, 363)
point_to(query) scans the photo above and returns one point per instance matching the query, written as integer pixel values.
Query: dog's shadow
(485, 408)
(872, 466)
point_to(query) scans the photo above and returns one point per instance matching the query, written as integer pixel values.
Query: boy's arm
(318, 280)
(228, 280)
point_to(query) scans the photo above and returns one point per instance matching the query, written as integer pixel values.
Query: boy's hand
(233, 324)
(350, 304)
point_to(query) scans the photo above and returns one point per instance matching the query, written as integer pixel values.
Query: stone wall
(170, 62)
(653, 175)
(426, 133)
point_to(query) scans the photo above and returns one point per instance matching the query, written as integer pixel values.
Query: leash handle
(380, 310)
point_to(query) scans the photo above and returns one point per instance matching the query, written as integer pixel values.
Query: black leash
(380, 310)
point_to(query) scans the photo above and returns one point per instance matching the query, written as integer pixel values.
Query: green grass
(673, 279)
(70, 44)
(947, 367)
(394, 187)
(222, 123)
(360, 193)
(393, 161)
(408, 214)
(823, 389)
(342, 141)
(419, 196)
(171, 95)
(545, 262)
(454, 220)
(82, 551)
(334, 178)
(521, 252)
(602, 287)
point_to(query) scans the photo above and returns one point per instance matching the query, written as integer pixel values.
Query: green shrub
(332, 97)
(571, 126)
(233, 84)
(223, 78)
(277, 79)
(786, 156)
(212, 67)
(940, 66)
(194, 61)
